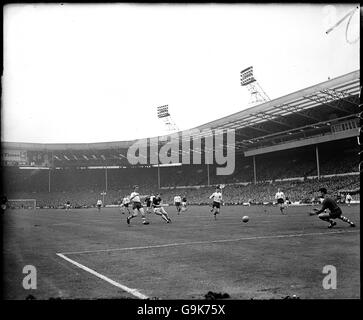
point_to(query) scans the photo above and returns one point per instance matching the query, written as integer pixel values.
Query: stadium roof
(334, 99)
(343, 87)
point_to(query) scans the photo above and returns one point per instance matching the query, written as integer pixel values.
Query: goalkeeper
(334, 210)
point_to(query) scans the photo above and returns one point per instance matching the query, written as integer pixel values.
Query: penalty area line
(211, 242)
(133, 292)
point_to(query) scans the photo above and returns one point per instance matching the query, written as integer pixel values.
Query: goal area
(22, 204)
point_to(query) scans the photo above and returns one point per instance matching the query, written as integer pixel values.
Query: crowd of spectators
(83, 187)
(261, 193)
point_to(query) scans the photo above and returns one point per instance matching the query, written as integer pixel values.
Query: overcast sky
(92, 73)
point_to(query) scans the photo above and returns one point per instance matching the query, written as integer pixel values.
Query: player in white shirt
(177, 203)
(136, 206)
(280, 197)
(348, 199)
(217, 199)
(68, 205)
(99, 205)
(125, 205)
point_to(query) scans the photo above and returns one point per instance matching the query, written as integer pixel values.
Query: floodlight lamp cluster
(163, 111)
(247, 76)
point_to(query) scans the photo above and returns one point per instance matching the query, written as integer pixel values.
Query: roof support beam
(296, 111)
(323, 99)
(341, 95)
(258, 128)
(280, 120)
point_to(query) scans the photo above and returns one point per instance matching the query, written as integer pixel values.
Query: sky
(97, 73)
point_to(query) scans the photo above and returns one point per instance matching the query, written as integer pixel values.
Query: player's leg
(281, 208)
(345, 219)
(165, 215)
(158, 212)
(339, 215)
(325, 216)
(143, 217)
(216, 210)
(132, 215)
(211, 210)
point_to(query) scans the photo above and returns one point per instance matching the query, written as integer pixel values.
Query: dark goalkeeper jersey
(329, 204)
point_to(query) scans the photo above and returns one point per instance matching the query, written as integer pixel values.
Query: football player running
(280, 197)
(177, 203)
(136, 207)
(125, 205)
(159, 210)
(217, 199)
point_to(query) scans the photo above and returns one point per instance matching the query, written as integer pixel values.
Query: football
(245, 219)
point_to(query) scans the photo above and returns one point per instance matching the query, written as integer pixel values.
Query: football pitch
(84, 254)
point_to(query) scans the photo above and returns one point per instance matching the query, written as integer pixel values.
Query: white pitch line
(134, 292)
(210, 242)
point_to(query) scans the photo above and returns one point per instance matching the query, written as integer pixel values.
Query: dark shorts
(98, 206)
(336, 213)
(177, 204)
(216, 205)
(148, 204)
(280, 201)
(137, 205)
(126, 205)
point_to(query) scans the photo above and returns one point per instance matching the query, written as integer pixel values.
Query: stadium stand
(297, 142)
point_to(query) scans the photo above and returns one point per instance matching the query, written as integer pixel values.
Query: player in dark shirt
(334, 210)
(148, 201)
(184, 203)
(159, 210)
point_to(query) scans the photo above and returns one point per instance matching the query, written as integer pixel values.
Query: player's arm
(317, 211)
(211, 196)
(321, 210)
